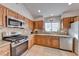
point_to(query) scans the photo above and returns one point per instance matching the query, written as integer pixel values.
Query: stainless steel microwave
(16, 23)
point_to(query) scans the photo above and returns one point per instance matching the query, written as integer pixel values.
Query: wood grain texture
(49, 41)
(1, 15)
(66, 23)
(11, 13)
(38, 24)
(5, 50)
(31, 24)
(31, 41)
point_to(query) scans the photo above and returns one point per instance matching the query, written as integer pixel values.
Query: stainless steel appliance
(13, 22)
(66, 43)
(19, 44)
(74, 32)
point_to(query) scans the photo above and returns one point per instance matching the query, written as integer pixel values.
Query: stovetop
(15, 38)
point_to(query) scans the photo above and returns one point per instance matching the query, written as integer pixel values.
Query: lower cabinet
(50, 41)
(54, 42)
(31, 41)
(5, 50)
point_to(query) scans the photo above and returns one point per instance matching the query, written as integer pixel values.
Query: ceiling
(49, 9)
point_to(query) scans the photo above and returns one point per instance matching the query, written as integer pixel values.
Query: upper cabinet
(76, 19)
(67, 22)
(3, 13)
(38, 24)
(35, 24)
(31, 24)
(11, 13)
(20, 17)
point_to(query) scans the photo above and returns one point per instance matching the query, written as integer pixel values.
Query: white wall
(70, 14)
(19, 8)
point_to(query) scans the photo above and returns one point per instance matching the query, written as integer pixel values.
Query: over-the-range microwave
(15, 23)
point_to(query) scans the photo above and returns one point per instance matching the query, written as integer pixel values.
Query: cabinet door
(5, 50)
(31, 24)
(42, 40)
(1, 15)
(31, 41)
(40, 24)
(11, 13)
(36, 24)
(4, 16)
(38, 39)
(66, 23)
(54, 42)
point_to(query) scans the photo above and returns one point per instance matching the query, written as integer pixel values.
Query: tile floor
(37, 50)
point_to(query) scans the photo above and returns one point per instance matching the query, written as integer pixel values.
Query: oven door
(20, 49)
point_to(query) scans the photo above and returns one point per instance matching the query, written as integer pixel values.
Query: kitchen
(22, 35)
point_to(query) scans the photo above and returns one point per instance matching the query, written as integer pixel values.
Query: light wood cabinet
(38, 24)
(54, 42)
(1, 15)
(4, 16)
(76, 19)
(66, 23)
(31, 24)
(20, 17)
(11, 13)
(50, 41)
(31, 41)
(8, 12)
(42, 40)
(5, 50)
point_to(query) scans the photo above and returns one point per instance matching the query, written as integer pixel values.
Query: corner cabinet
(38, 24)
(31, 24)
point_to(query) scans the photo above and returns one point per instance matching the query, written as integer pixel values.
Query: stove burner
(15, 38)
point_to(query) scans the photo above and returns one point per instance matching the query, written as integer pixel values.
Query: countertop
(55, 35)
(3, 43)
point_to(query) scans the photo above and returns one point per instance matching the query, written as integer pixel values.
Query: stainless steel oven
(19, 49)
(19, 44)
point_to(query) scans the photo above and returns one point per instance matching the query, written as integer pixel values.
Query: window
(51, 27)
(48, 27)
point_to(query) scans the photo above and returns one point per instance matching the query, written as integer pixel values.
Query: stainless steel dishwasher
(66, 43)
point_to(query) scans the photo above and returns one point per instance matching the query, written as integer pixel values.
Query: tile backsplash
(25, 31)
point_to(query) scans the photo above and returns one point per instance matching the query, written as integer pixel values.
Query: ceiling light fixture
(69, 3)
(39, 11)
(51, 14)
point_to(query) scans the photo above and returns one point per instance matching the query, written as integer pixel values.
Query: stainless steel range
(19, 44)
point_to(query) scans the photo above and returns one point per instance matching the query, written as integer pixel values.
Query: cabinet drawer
(5, 50)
